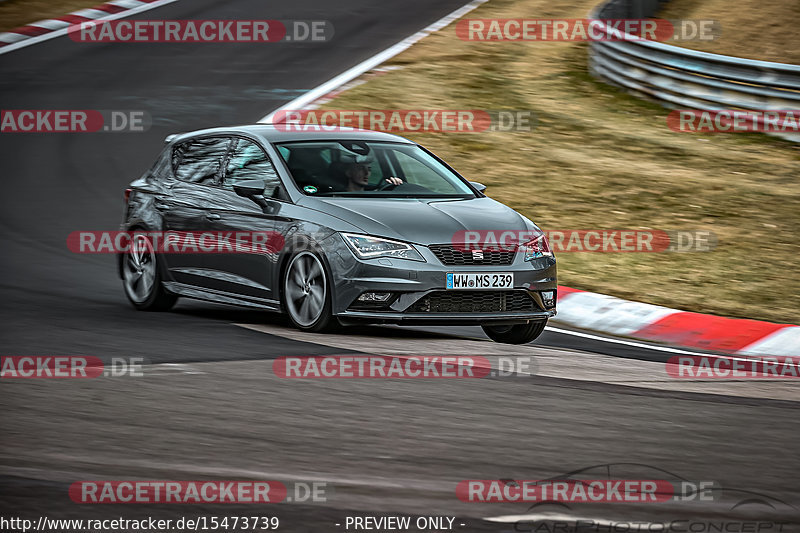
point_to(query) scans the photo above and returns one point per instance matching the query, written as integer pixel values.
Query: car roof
(272, 134)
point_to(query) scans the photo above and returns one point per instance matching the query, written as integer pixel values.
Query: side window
(248, 162)
(200, 160)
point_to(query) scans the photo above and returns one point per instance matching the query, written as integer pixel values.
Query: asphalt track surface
(217, 411)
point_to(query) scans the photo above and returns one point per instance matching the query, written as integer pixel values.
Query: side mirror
(249, 188)
(479, 186)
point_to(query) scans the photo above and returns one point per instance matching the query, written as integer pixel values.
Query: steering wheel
(387, 185)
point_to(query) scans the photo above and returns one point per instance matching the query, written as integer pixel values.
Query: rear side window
(200, 160)
(247, 162)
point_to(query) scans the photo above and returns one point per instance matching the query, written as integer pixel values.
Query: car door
(197, 167)
(247, 271)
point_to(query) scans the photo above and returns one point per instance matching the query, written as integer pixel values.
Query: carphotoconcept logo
(556, 504)
(74, 121)
(542, 518)
(405, 120)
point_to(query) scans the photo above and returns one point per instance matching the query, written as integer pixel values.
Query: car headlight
(537, 247)
(367, 247)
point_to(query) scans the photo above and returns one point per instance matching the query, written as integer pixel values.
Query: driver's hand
(394, 181)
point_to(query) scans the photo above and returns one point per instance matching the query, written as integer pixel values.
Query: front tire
(141, 277)
(307, 294)
(519, 334)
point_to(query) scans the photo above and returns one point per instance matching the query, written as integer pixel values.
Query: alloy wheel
(139, 269)
(306, 289)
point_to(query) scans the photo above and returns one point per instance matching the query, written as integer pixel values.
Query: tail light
(128, 195)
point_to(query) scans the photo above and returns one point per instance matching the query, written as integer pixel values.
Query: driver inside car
(357, 171)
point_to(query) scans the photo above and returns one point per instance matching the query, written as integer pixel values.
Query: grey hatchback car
(368, 226)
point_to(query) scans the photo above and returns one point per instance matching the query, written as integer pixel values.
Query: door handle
(213, 216)
(161, 206)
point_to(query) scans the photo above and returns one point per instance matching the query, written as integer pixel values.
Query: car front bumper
(445, 319)
(412, 281)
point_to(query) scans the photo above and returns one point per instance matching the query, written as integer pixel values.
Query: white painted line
(57, 33)
(368, 64)
(634, 343)
(165, 369)
(739, 356)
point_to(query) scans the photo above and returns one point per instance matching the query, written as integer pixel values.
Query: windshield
(370, 169)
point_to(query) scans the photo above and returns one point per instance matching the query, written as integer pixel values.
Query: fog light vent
(549, 299)
(375, 297)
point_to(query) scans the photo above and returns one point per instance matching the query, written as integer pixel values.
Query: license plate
(480, 280)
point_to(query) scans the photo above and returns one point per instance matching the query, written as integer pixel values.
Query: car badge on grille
(477, 255)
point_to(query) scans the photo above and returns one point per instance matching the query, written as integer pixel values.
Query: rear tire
(141, 277)
(519, 334)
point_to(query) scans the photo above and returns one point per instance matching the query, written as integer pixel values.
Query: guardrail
(682, 78)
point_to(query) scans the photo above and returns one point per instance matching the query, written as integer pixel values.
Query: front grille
(451, 255)
(473, 302)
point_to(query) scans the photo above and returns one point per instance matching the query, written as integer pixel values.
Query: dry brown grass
(755, 29)
(14, 13)
(602, 159)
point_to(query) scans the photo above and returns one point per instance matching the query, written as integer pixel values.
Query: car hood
(421, 221)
